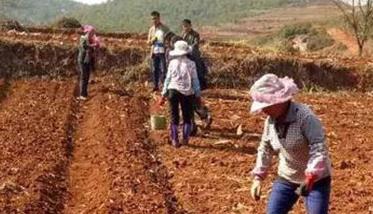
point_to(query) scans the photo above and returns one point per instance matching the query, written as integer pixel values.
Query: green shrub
(290, 31)
(262, 40)
(286, 46)
(11, 25)
(319, 40)
(68, 22)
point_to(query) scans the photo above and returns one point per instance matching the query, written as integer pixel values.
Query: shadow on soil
(223, 141)
(4, 88)
(226, 147)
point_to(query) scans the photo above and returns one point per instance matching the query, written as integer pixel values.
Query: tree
(358, 14)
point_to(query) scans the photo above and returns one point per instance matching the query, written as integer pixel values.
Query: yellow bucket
(158, 122)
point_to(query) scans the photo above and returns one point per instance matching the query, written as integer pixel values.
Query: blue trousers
(159, 69)
(283, 197)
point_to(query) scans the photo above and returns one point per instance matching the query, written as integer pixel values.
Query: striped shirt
(299, 141)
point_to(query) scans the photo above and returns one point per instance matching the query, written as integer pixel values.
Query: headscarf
(95, 39)
(270, 90)
(88, 28)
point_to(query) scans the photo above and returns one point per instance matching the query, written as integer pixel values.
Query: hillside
(36, 11)
(122, 15)
(272, 20)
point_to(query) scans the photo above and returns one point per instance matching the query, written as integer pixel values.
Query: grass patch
(315, 37)
(67, 22)
(290, 31)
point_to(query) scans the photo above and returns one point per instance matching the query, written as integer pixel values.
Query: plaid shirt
(299, 141)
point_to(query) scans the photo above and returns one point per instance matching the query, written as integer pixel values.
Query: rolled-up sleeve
(265, 154)
(313, 131)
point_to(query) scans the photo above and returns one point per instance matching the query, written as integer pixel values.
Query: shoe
(82, 98)
(208, 121)
(187, 128)
(176, 144)
(175, 135)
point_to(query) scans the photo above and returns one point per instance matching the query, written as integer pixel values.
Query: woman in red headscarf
(88, 44)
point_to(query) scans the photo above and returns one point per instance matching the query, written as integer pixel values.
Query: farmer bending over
(295, 134)
(181, 86)
(88, 45)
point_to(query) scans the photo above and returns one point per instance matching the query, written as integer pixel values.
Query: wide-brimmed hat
(181, 48)
(271, 90)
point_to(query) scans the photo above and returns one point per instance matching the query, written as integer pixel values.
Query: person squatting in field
(193, 39)
(156, 37)
(295, 134)
(88, 45)
(181, 86)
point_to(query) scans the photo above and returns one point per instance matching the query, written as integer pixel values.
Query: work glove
(306, 187)
(256, 189)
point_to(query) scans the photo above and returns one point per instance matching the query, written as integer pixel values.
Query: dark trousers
(201, 70)
(200, 109)
(159, 68)
(177, 99)
(283, 197)
(85, 71)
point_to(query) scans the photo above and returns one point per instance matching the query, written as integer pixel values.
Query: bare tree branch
(359, 16)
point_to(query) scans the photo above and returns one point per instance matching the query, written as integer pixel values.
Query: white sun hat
(256, 107)
(181, 48)
(271, 90)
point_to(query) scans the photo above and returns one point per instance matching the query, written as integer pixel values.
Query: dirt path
(114, 168)
(344, 38)
(211, 175)
(88, 180)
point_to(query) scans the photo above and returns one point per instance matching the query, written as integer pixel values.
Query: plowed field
(60, 155)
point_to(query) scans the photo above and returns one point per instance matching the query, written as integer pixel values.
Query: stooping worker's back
(295, 134)
(181, 86)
